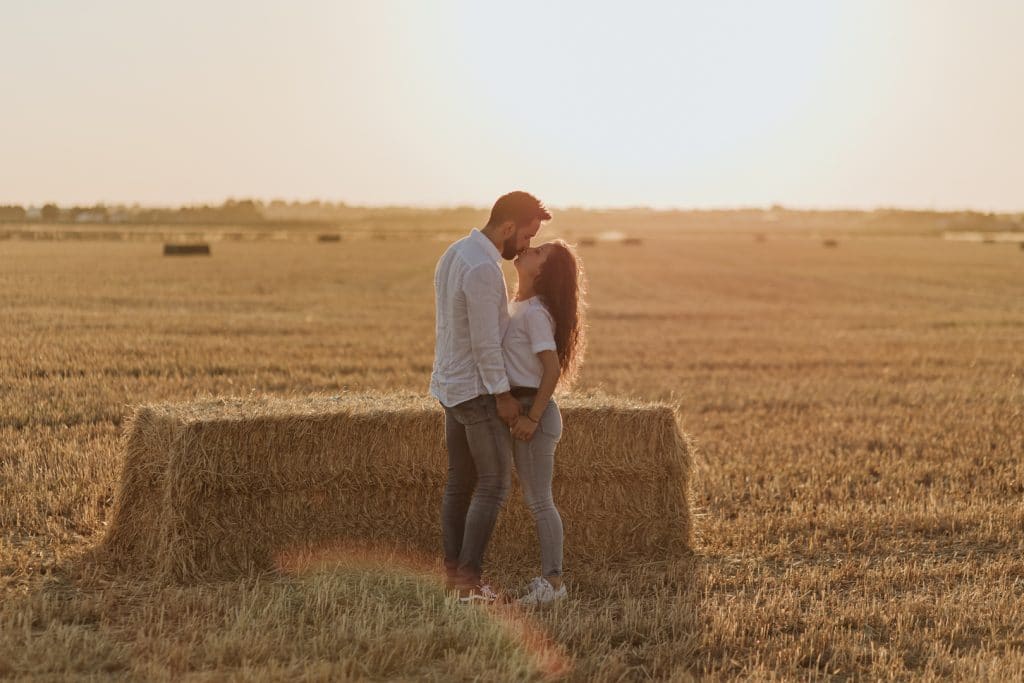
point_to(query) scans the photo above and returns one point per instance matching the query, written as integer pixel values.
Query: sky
(816, 104)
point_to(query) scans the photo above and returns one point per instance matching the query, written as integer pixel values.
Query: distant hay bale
(611, 237)
(830, 243)
(587, 242)
(760, 237)
(223, 487)
(1022, 245)
(186, 249)
(328, 237)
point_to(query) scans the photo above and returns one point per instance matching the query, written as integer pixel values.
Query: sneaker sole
(470, 599)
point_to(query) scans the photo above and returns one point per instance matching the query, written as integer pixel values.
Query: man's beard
(508, 249)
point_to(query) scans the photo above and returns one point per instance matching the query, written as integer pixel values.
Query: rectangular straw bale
(198, 249)
(221, 487)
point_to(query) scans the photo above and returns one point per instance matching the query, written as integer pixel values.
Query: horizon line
(657, 208)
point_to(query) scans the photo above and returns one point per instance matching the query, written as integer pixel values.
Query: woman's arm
(526, 424)
(548, 382)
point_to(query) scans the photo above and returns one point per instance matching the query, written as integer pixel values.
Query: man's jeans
(479, 477)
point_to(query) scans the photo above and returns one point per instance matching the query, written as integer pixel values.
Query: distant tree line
(281, 212)
(232, 211)
(12, 214)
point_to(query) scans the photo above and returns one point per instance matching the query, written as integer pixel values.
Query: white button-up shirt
(471, 305)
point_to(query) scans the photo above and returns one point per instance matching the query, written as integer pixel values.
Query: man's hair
(520, 207)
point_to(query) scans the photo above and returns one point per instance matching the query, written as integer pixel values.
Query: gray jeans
(479, 478)
(535, 466)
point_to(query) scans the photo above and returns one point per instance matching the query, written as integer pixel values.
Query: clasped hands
(523, 428)
(511, 413)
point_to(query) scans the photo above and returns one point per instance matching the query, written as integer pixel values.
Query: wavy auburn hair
(561, 287)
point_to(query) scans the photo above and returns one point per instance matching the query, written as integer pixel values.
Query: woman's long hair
(561, 288)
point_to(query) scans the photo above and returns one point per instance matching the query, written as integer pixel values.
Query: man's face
(520, 239)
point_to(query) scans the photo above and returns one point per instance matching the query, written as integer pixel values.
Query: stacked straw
(217, 488)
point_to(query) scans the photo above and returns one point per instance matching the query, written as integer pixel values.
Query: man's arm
(484, 289)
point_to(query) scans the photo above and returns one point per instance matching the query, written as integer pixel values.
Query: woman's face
(530, 260)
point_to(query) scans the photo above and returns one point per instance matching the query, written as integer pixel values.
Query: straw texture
(216, 488)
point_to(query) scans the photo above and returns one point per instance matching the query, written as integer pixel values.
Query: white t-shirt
(531, 329)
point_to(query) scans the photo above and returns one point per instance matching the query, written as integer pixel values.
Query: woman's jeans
(479, 477)
(535, 464)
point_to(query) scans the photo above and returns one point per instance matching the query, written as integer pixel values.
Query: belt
(523, 392)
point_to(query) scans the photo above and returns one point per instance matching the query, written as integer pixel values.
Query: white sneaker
(542, 593)
(483, 594)
(535, 583)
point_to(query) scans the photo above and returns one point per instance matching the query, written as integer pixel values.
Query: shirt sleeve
(540, 327)
(484, 289)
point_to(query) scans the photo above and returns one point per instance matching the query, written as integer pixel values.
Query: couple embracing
(496, 367)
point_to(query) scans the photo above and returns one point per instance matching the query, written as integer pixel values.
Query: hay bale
(760, 237)
(198, 249)
(1022, 246)
(632, 241)
(328, 237)
(222, 487)
(588, 242)
(830, 243)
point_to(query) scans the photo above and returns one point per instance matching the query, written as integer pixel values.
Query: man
(469, 380)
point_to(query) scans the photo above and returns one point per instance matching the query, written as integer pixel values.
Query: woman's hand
(524, 428)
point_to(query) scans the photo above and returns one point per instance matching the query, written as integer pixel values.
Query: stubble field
(858, 413)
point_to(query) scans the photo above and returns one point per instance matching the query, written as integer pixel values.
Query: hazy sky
(916, 103)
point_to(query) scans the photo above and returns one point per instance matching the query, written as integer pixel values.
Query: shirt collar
(487, 244)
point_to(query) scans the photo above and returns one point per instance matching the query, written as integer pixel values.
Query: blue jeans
(535, 466)
(479, 478)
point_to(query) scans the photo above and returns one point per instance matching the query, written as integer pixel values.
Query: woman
(543, 347)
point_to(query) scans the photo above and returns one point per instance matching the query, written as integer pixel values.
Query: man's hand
(508, 408)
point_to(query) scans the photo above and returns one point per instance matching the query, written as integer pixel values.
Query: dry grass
(858, 413)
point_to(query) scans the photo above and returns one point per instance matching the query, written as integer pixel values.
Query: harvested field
(216, 489)
(857, 487)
